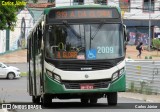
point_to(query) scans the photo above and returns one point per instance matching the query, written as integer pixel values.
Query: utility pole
(149, 37)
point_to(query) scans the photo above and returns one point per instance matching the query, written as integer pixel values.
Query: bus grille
(76, 84)
(84, 65)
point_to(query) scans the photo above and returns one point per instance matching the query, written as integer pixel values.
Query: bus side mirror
(126, 38)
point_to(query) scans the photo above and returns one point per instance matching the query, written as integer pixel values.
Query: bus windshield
(84, 41)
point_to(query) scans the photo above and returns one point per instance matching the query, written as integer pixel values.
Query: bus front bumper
(54, 87)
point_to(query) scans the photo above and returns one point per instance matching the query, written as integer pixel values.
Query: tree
(35, 1)
(156, 44)
(8, 12)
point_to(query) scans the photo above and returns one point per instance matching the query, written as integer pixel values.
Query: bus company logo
(86, 76)
(6, 106)
(88, 68)
(20, 106)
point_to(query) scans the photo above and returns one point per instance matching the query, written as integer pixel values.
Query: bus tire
(93, 100)
(36, 99)
(46, 100)
(112, 98)
(84, 100)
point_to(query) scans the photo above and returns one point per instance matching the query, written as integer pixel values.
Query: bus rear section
(82, 55)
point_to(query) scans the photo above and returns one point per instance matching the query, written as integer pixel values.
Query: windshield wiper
(72, 30)
(99, 27)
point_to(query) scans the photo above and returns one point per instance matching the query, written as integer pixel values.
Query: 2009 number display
(102, 50)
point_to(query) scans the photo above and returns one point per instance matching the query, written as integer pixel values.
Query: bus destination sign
(83, 13)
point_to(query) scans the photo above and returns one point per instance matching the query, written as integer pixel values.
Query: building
(136, 16)
(12, 40)
(2, 41)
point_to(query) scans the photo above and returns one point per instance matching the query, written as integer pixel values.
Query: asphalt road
(15, 91)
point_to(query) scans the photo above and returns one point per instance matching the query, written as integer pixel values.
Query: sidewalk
(132, 53)
(19, 56)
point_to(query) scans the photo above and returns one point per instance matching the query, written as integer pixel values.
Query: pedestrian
(140, 49)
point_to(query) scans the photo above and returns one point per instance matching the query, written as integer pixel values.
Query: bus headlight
(53, 76)
(121, 71)
(57, 77)
(49, 73)
(117, 74)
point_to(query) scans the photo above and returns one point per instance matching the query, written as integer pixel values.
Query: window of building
(146, 5)
(103, 2)
(78, 2)
(124, 5)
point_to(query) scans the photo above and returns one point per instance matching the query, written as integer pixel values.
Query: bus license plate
(86, 86)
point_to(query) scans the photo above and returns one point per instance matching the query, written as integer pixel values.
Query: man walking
(140, 49)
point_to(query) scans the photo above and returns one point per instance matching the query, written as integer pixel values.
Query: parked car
(9, 72)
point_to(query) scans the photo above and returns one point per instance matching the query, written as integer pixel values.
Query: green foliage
(150, 57)
(146, 57)
(156, 43)
(23, 74)
(148, 90)
(35, 1)
(131, 87)
(8, 12)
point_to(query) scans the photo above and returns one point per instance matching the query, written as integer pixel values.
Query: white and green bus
(77, 52)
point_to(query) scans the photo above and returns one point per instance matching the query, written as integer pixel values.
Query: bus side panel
(38, 66)
(29, 85)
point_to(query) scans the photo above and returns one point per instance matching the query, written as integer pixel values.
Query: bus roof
(47, 10)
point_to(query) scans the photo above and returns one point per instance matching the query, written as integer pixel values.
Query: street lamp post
(149, 37)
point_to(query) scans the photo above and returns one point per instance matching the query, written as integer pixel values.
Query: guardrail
(143, 76)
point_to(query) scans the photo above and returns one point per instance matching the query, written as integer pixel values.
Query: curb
(15, 62)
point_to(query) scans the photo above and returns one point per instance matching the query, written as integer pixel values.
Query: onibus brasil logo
(20, 106)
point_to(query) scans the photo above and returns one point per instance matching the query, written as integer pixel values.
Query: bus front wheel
(112, 98)
(46, 100)
(36, 99)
